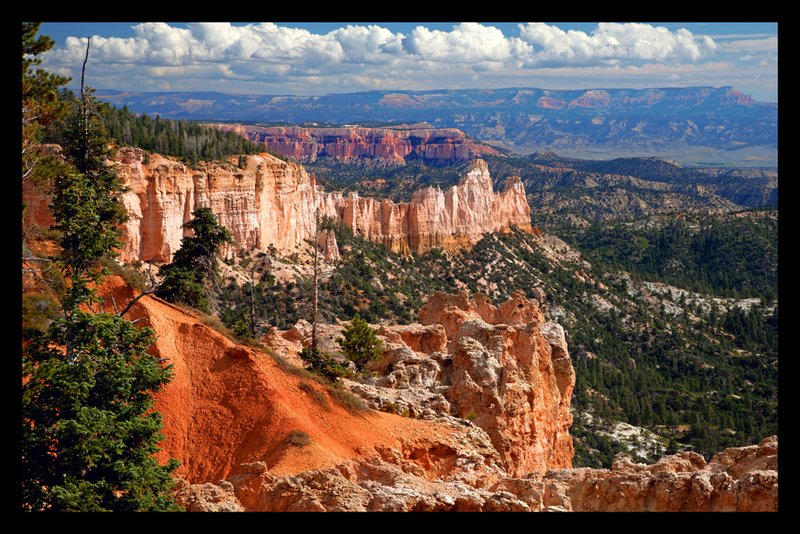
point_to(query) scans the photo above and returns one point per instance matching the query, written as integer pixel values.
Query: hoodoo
(272, 202)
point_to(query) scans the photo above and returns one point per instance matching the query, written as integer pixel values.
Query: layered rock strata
(503, 368)
(380, 145)
(272, 202)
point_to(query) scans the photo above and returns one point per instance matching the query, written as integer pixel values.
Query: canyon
(695, 124)
(389, 145)
(488, 430)
(270, 202)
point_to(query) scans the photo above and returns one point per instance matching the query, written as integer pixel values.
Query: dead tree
(315, 294)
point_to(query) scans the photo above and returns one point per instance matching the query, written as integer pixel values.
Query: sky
(322, 58)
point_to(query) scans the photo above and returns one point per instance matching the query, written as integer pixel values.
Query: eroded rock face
(207, 497)
(374, 486)
(503, 368)
(380, 145)
(272, 202)
(450, 219)
(743, 479)
(739, 479)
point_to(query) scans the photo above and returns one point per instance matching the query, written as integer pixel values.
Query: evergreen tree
(323, 364)
(88, 429)
(41, 105)
(195, 263)
(360, 343)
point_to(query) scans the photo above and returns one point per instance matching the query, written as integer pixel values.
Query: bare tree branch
(133, 301)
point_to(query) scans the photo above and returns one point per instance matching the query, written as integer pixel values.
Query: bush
(298, 438)
(347, 400)
(323, 364)
(39, 310)
(360, 343)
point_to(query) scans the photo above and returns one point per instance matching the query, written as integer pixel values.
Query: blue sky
(320, 58)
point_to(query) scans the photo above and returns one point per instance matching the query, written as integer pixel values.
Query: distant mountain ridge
(610, 120)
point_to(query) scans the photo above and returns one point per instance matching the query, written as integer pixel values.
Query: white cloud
(614, 42)
(767, 44)
(268, 58)
(466, 43)
(485, 47)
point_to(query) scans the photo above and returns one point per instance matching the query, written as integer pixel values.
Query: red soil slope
(229, 404)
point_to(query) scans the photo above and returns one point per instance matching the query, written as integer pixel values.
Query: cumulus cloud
(466, 43)
(614, 42)
(263, 56)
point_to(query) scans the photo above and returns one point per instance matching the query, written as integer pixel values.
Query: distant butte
(392, 144)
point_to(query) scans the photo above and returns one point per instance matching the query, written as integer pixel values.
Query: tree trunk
(316, 286)
(84, 106)
(253, 300)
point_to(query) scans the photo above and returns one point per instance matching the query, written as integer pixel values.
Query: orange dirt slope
(229, 404)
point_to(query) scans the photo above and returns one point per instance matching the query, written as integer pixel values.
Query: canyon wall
(378, 145)
(272, 202)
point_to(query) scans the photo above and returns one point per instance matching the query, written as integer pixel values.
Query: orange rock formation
(229, 405)
(388, 145)
(233, 413)
(512, 373)
(272, 202)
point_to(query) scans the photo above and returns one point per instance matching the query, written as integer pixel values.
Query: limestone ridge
(450, 219)
(504, 367)
(272, 202)
(373, 145)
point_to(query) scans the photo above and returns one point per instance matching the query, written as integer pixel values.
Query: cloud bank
(266, 57)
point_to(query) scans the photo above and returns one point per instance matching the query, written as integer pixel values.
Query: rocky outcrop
(272, 202)
(207, 497)
(740, 479)
(503, 368)
(376, 486)
(450, 219)
(356, 144)
(743, 479)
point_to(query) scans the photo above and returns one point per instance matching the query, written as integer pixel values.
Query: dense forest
(732, 256)
(186, 140)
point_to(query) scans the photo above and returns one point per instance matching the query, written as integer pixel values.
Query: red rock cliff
(512, 374)
(272, 202)
(450, 219)
(389, 145)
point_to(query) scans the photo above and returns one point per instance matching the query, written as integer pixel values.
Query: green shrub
(39, 310)
(323, 364)
(347, 400)
(315, 394)
(360, 343)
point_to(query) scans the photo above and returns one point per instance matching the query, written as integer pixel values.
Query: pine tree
(195, 263)
(360, 343)
(41, 105)
(88, 429)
